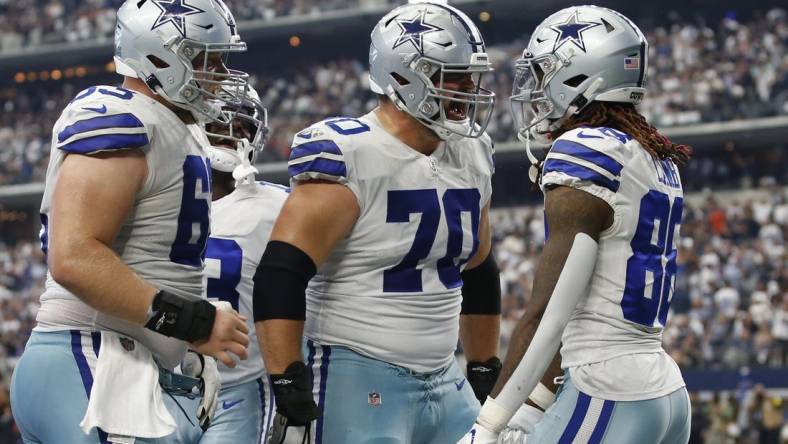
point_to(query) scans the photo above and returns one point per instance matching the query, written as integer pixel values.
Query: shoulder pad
(318, 152)
(100, 118)
(596, 155)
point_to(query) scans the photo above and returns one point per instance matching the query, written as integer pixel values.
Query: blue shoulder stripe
(316, 147)
(320, 165)
(581, 172)
(589, 155)
(105, 142)
(101, 122)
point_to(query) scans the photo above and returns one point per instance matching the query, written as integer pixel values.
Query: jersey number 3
(405, 277)
(653, 260)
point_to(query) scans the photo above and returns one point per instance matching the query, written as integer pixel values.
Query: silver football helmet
(417, 50)
(575, 56)
(179, 49)
(235, 146)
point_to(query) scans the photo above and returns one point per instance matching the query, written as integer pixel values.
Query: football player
(242, 215)
(613, 205)
(125, 218)
(392, 209)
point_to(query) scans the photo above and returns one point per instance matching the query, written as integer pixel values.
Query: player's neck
(407, 129)
(140, 86)
(222, 184)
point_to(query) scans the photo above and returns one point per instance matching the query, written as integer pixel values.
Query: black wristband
(280, 282)
(182, 318)
(482, 377)
(481, 288)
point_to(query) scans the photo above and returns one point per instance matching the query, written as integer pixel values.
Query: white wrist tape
(494, 416)
(542, 396)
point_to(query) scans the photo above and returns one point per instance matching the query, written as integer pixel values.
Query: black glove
(294, 403)
(482, 377)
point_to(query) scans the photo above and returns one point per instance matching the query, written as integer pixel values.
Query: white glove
(525, 419)
(479, 435)
(204, 368)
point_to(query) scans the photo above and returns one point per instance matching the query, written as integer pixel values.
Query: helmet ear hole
(402, 81)
(157, 62)
(575, 81)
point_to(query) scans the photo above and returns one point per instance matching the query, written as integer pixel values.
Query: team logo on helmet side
(175, 12)
(413, 31)
(572, 31)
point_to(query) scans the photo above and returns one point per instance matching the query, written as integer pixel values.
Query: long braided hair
(624, 117)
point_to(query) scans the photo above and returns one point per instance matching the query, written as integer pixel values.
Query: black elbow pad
(280, 282)
(481, 288)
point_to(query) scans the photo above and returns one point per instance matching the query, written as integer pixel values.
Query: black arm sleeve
(481, 288)
(280, 282)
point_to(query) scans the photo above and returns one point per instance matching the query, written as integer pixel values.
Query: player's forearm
(280, 343)
(96, 275)
(479, 336)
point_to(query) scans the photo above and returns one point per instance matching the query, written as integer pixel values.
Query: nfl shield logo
(127, 344)
(374, 399)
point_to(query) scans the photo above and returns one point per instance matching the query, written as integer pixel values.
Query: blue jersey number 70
(405, 277)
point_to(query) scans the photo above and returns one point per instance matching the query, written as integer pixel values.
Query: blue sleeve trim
(589, 155)
(316, 147)
(580, 172)
(105, 142)
(320, 165)
(100, 122)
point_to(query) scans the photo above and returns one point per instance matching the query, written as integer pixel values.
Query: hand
(295, 405)
(479, 435)
(204, 368)
(482, 377)
(229, 334)
(525, 419)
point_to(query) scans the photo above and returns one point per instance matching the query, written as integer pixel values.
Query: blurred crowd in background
(698, 73)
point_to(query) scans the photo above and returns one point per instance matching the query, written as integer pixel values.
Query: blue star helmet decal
(175, 12)
(571, 31)
(413, 31)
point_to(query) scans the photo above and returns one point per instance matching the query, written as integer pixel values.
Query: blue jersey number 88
(657, 259)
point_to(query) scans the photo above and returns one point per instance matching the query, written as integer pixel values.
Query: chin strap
(245, 172)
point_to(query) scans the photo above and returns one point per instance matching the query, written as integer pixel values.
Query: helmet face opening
(456, 102)
(242, 138)
(530, 104)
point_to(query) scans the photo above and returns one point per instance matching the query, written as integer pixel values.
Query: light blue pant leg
(367, 401)
(242, 414)
(51, 385)
(577, 418)
(450, 410)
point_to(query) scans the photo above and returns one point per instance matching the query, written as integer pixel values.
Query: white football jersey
(241, 224)
(163, 239)
(622, 318)
(391, 290)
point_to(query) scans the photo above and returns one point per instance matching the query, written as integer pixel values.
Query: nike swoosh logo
(204, 26)
(582, 135)
(228, 405)
(101, 110)
(460, 384)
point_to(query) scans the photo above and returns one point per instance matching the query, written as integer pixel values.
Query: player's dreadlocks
(624, 117)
